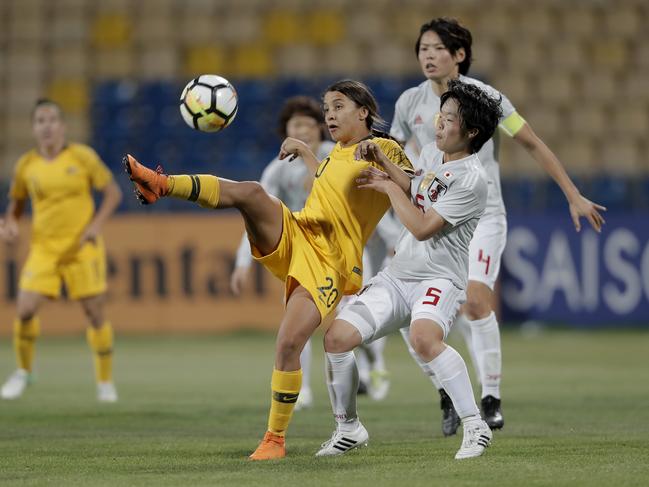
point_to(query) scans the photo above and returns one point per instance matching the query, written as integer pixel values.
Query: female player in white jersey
(424, 285)
(444, 52)
(301, 118)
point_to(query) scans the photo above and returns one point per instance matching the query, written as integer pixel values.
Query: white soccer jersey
(457, 191)
(290, 183)
(414, 117)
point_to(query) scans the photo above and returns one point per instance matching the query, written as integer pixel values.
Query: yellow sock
(101, 343)
(202, 188)
(25, 334)
(285, 389)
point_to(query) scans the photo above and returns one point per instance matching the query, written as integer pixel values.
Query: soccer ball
(208, 103)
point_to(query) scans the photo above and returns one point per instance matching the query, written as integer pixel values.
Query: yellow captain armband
(512, 124)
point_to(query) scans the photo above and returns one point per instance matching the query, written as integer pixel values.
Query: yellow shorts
(84, 272)
(297, 263)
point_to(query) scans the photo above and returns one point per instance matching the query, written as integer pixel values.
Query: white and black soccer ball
(208, 103)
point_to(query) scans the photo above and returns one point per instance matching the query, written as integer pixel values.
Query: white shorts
(387, 304)
(486, 249)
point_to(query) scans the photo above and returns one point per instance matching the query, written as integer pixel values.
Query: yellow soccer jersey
(61, 194)
(338, 217)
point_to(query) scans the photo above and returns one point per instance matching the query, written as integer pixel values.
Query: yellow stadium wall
(167, 273)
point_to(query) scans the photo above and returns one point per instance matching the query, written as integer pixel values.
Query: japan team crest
(433, 187)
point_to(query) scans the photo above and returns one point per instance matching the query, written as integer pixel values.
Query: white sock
(305, 363)
(342, 383)
(363, 364)
(486, 343)
(450, 369)
(463, 325)
(375, 354)
(405, 334)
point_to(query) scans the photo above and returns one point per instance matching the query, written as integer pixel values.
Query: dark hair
(301, 105)
(46, 101)
(360, 94)
(453, 35)
(477, 110)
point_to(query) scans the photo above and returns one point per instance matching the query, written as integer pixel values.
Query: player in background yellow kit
(317, 251)
(66, 245)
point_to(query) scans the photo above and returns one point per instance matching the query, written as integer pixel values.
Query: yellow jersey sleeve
(395, 153)
(99, 174)
(18, 189)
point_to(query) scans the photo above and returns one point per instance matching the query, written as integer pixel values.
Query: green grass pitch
(191, 409)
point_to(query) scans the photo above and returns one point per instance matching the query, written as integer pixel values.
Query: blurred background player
(317, 252)
(301, 118)
(66, 247)
(425, 283)
(444, 52)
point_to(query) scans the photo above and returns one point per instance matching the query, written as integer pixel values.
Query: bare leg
(26, 329)
(300, 321)
(100, 339)
(262, 212)
(28, 304)
(93, 307)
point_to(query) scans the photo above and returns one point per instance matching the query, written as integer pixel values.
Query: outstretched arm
(579, 205)
(422, 225)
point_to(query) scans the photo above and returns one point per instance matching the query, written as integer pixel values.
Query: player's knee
(339, 340)
(425, 344)
(289, 346)
(26, 310)
(477, 307)
(94, 312)
(249, 192)
(25, 314)
(419, 343)
(95, 319)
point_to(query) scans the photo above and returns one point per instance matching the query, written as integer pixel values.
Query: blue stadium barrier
(550, 273)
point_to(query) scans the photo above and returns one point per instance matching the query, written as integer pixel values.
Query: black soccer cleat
(491, 412)
(450, 419)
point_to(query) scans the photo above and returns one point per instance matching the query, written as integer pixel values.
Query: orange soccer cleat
(271, 448)
(150, 185)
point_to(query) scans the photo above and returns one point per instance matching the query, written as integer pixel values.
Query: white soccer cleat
(379, 385)
(15, 385)
(343, 441)
(106, 392)
(477, 437)
(304, 400)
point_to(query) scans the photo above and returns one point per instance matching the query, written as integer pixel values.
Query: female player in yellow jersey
(317, 251)
(66, 244)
